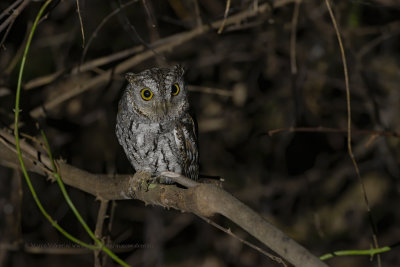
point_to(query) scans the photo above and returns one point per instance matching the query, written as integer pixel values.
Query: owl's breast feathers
(158, 147)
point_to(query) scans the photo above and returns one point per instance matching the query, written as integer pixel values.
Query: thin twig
(136, 36)
(30, 154)
(9, 8)
(101, 216)
(17, 56)
(80, 22)
(6, 33)
(154, 34)
(295, 18)
(199, 22)
(149, 13)
(228, 5)
(349, 147)
(375, 42)
(90, 65)
(321, 129)
(229, 232)
(102, 23)
(43, 80)
(14, 15)
(210, 90)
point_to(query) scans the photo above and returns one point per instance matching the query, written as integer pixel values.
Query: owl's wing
(186, 141)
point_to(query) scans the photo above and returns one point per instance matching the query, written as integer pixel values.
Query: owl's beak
(162, 108)
(165, 107)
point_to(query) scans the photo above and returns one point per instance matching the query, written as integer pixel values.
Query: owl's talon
(142, 179)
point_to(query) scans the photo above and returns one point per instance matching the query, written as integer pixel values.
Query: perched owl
(154, 125)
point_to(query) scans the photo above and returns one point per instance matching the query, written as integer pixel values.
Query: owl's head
(156, 94)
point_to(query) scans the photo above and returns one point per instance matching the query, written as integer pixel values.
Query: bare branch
(78, 10)
(202, 199)
(14, 15)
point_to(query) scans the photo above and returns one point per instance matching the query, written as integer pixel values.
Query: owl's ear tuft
(130, 77)
(179, 70)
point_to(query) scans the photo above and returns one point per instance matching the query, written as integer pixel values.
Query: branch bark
(203, 199)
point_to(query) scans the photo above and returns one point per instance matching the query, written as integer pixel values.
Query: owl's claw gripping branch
(180, 179)
(140, 181)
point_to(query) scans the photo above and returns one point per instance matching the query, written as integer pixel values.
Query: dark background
(303, 182)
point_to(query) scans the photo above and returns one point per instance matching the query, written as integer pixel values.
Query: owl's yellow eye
(175, 89)
(146, 94)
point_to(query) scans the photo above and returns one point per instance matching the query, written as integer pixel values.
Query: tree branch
(202, 199)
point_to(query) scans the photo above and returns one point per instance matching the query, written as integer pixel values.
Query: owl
(154, 125)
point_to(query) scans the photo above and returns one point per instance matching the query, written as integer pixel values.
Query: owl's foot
(164, 180)
(142, 180)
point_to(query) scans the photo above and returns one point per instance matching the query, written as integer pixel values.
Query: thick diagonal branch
(204, 199)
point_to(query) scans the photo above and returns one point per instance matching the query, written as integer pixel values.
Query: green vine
(370, 252)
(99, 244)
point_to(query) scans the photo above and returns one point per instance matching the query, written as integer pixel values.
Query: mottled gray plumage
(154, 125)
